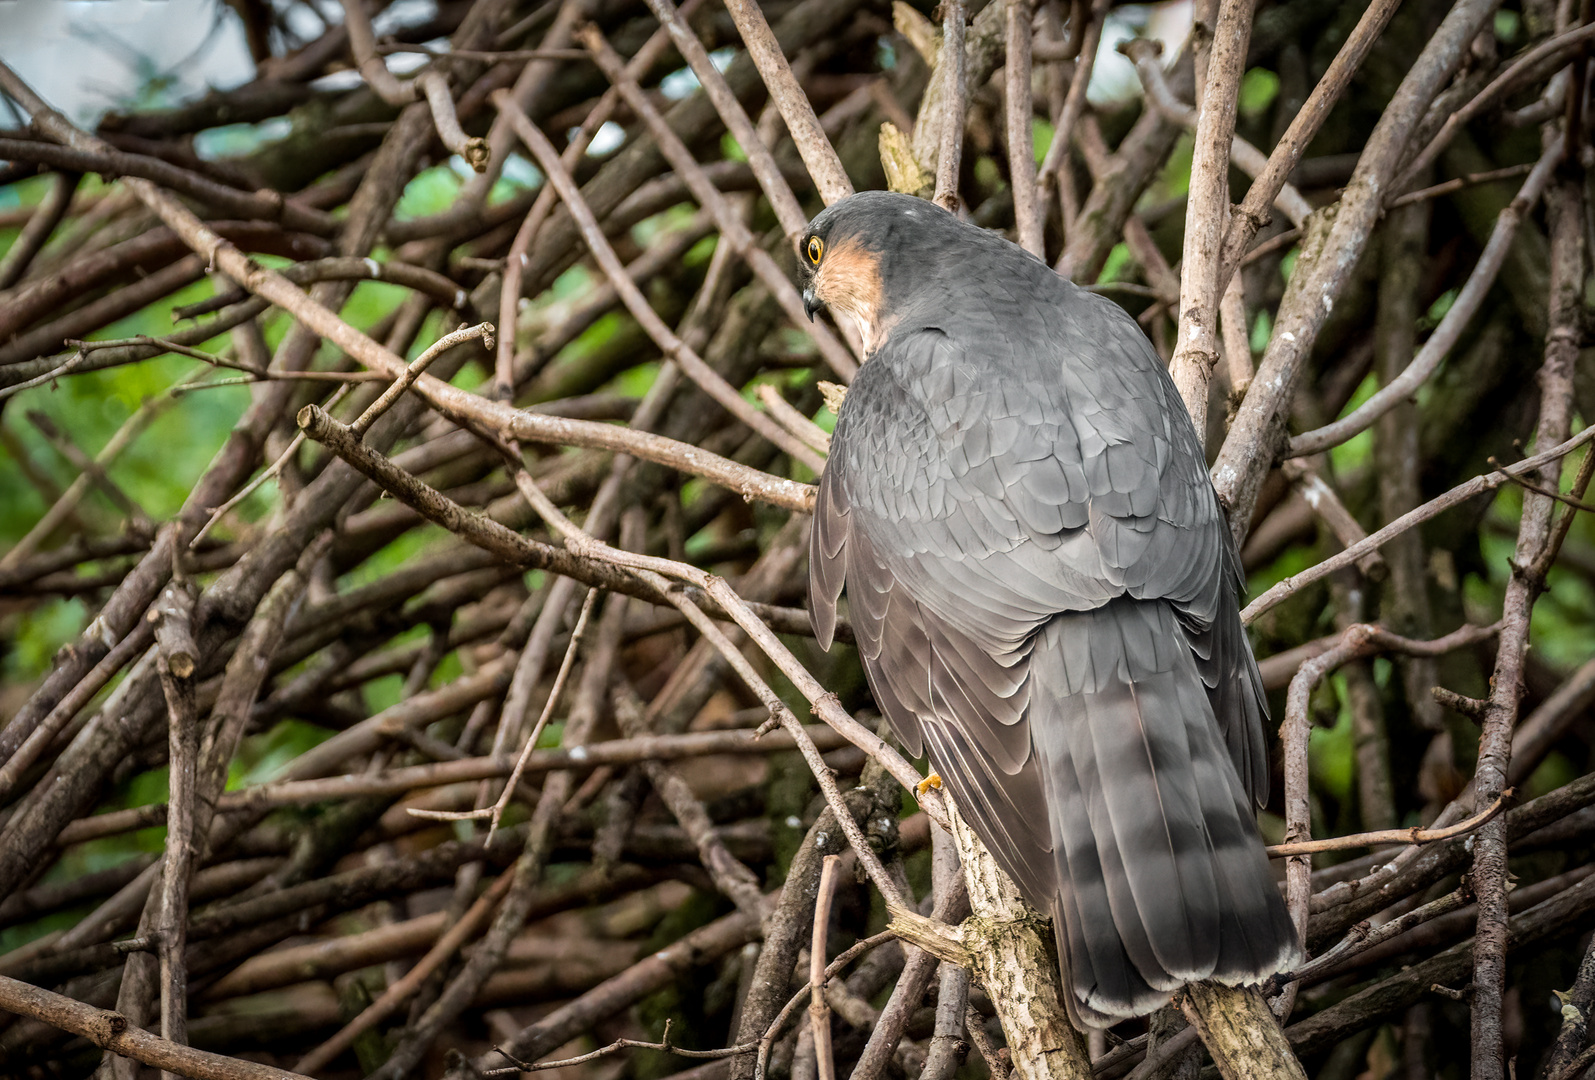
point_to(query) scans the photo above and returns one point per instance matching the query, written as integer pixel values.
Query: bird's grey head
(871, 253)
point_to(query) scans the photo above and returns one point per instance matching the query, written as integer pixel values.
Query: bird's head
(868, 254)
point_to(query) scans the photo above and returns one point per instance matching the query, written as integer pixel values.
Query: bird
(1045, 598)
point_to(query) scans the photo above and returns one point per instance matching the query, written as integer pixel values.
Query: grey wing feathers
(1043, 592)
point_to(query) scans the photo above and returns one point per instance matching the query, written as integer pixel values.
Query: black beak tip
(810, 303)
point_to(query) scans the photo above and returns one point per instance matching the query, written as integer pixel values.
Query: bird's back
(1045, 598)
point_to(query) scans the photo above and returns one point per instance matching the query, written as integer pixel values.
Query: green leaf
(1259, 88)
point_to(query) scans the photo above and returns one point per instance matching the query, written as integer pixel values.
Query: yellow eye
(816, 249)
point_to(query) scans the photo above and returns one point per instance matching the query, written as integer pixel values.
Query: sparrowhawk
(1045, 598)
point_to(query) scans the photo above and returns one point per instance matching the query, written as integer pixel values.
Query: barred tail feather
(1162, 875)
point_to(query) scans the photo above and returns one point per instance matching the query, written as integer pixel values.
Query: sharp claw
(931, 781)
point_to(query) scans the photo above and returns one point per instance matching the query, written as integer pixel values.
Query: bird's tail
(1163, 876)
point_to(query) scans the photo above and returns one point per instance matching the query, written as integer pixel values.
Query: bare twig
(374, 411)
(819, 157)
(441, 952)
(729, 221)
(653, 570)
(1546, 53)
(1327, 505)
(951, 71)
(1252, 212)
(794, 421)
(1364, 937)
(684, 355)
(1447, 187)
(1235, 333)
(1329, 256)
(176, 664)
(663, 1046)
(395, 782)
(1250, 160)
(495, 813)
(431, 85)
(1535, 535)
(785, 204)
(1449, 332)
(1021, 143)
(111, 1031)
(1414, 835)
(515, 261)
(819, 1014)
(1052, 173)
(1207, 214)
(1459, 494)
(46, 216)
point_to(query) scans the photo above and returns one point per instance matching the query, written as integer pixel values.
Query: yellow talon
(931, 781)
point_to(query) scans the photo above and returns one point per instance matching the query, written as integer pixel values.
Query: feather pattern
(1045, 599)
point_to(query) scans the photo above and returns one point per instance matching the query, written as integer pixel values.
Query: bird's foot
(931, 781)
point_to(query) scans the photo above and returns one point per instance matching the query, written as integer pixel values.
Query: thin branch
(1356, 641)
(63, 508)
(36, 740)
(441, 952)
(1540, 489)
(692, 365)
(1433, 508)
(473, 150)
(732, 228)
(363, 44)
(1020, 109)
(1145, 53)
(46, 216)
(495, 813)
(1547, 53)
(395, 782)
(1330, 252)
(664, 1046)
(504, 56)
(1304, 127)
(270, 472)
(788, 212)
(1414, 835)
(373, 413)
(1363, 936)
(91, 468)
(450, 400)
(1235, 333)
(654, 570)
(1456, 319)
(837, 966)
(794, 421)
(1327, 505)
(819, 1013)
(176, 663)
(111, 1031)
(730, 875)
(1448, 187)
(1207, 213)
(1565, 211)
(949, 157)
(111, 163)
(819, 156)
(1052, 170)
(336, 268)
(515, 260)
(430, 84)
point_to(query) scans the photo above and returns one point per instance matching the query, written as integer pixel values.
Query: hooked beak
(811, 303)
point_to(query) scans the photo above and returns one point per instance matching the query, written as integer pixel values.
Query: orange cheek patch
(849, 280)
